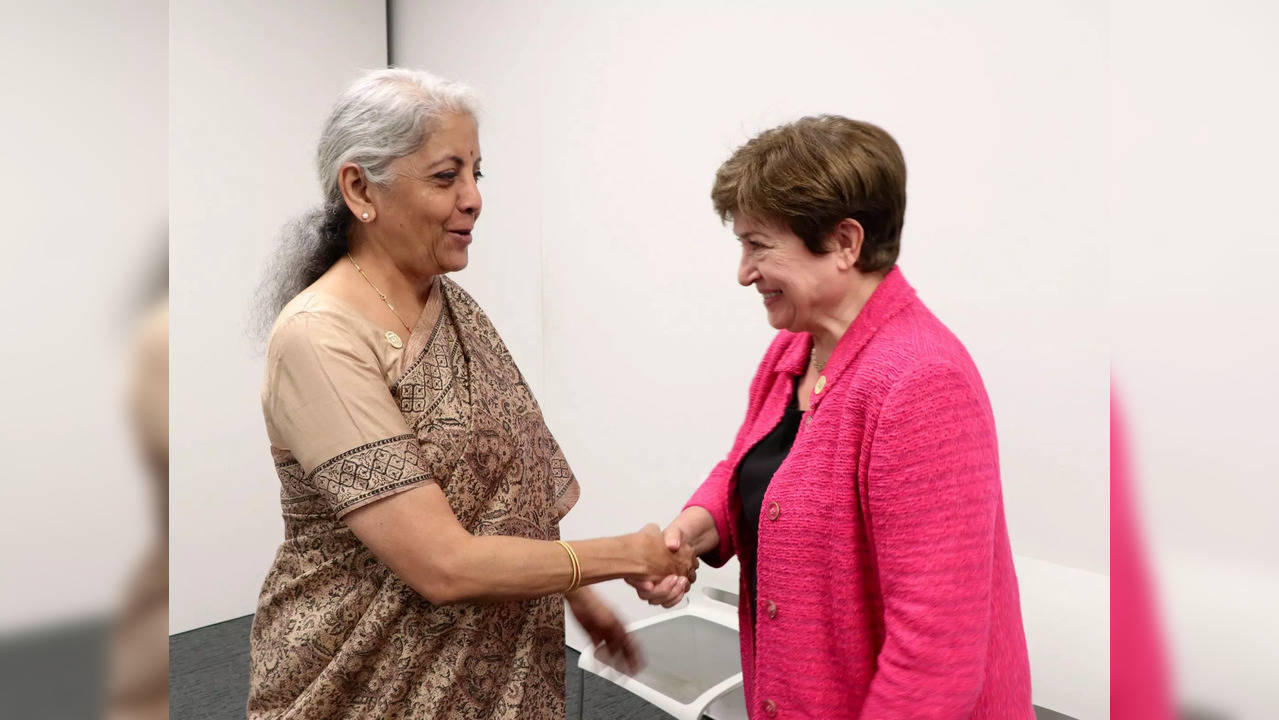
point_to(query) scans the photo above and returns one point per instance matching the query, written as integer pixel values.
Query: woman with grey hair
(421, 573)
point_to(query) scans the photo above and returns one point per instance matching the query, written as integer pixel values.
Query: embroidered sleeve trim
(372, 469)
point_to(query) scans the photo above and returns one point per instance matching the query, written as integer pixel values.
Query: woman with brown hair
(862, 494)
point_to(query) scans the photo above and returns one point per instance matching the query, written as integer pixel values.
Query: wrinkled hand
(598, 620)
(669, 590)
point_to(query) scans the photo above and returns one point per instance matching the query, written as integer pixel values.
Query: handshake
(670, 565)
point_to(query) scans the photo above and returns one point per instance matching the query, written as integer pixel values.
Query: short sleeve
(327, 402)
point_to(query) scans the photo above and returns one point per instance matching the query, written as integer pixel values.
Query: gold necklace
(812, 358)
(380, 294)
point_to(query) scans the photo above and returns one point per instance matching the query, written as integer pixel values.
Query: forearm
(501, 568)
(698, 529)
(417, 536)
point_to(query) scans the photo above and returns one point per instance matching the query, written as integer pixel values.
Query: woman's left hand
(604, 628)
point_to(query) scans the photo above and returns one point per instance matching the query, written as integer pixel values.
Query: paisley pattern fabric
(337, 634)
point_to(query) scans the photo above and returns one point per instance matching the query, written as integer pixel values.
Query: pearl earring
(365, 216)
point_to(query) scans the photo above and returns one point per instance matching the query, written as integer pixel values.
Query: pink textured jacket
(885, 580)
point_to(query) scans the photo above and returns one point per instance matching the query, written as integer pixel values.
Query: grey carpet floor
(54, 673)
(209, 680)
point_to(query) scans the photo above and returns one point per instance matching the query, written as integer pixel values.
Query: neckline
(793, 407)
(889, 297)
(428, 324)
(425, 318)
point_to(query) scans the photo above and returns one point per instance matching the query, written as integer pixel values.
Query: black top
(754, 474)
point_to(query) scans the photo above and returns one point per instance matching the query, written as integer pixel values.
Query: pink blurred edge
(1139, 680)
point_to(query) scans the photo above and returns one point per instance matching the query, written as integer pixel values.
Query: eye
(478, 175)
(447, 176)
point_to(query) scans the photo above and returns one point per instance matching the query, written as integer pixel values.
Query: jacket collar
(892, 294)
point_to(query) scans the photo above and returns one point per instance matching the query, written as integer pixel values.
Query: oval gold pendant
(394, 339)
(821, 385)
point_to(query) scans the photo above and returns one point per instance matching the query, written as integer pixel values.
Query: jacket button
(772, 610)
(770, 708)
(774, 510)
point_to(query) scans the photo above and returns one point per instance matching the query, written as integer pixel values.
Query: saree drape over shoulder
(354, 419)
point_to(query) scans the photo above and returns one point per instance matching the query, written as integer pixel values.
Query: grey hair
(383, 116)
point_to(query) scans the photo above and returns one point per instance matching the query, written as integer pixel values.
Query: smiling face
(799, 288)
(426, 215)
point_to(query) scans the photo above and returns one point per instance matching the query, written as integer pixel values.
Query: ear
(848, 236)
(357, 191)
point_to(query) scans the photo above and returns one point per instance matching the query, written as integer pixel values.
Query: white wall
(1196, 340)
(618, 116)
(250, 86)
(84, 153)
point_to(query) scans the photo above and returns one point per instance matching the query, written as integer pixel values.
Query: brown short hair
(810, 174)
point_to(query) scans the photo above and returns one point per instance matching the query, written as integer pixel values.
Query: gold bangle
(577, 567)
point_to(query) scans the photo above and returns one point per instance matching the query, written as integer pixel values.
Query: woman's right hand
(660, 561)
(694, 528)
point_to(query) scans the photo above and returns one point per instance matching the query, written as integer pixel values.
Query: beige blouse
(353, 419)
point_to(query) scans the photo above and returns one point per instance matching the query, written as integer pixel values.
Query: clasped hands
(676, 564)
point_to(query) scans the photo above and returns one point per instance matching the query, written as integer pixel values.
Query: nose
(469, 201)
(746, 271)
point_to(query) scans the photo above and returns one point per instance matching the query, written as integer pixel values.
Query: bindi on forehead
(451, 158)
